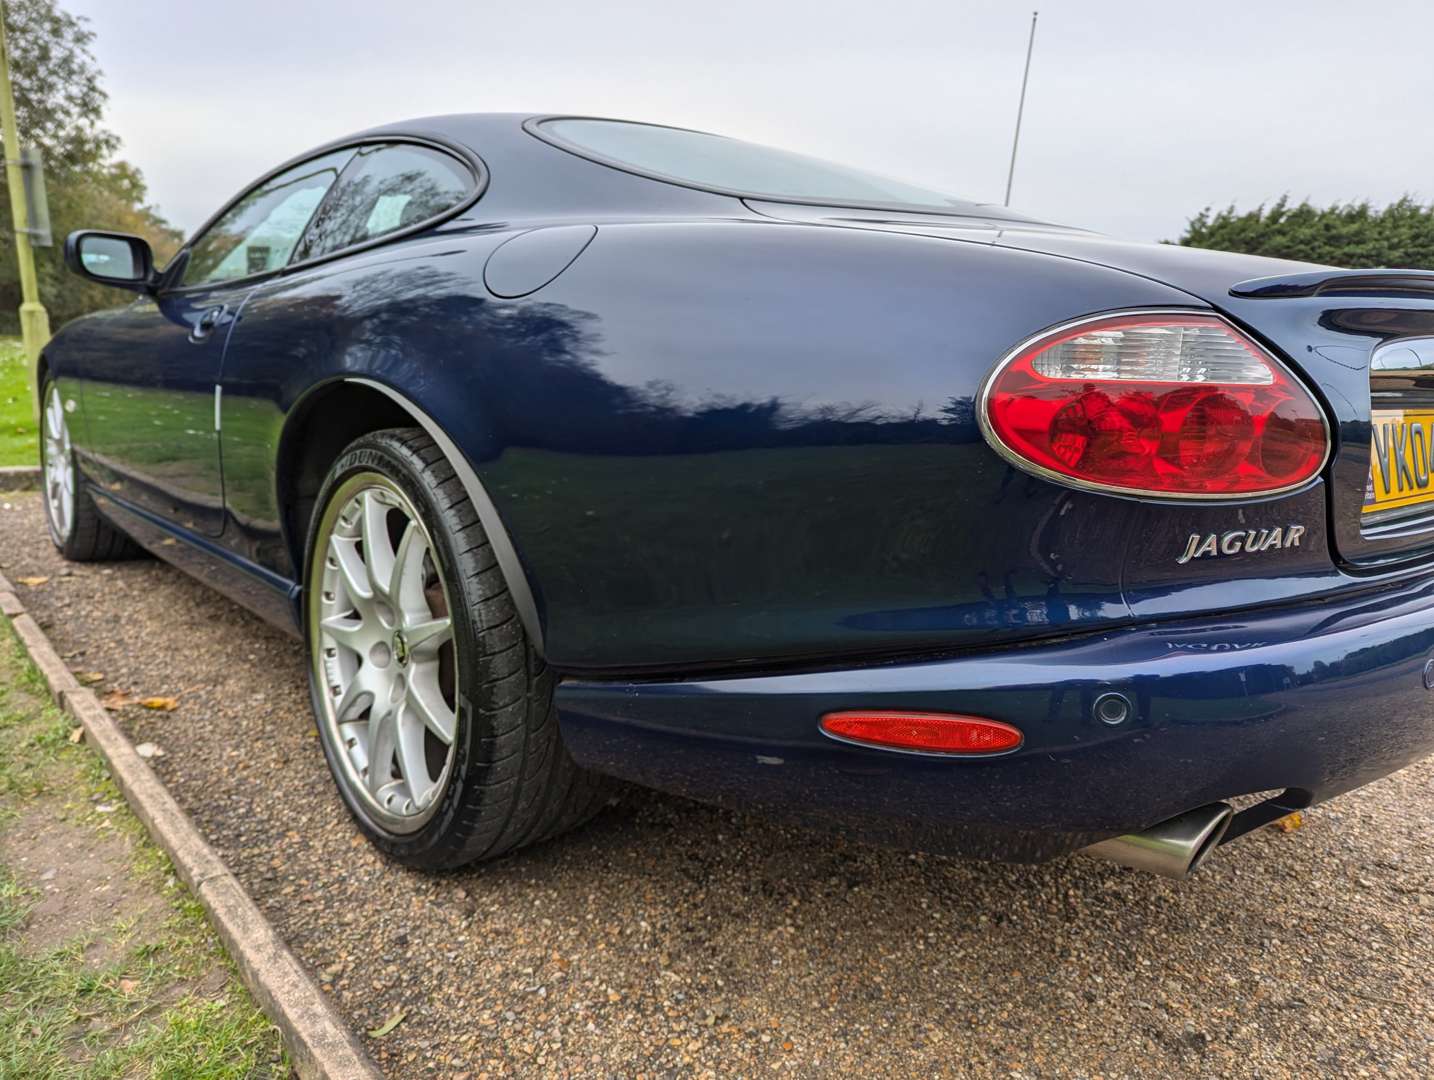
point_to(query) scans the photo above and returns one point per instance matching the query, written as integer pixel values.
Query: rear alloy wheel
(385, 643)
(435, 713)
(76, 527)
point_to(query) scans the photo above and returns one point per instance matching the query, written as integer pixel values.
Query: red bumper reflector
(932, 733)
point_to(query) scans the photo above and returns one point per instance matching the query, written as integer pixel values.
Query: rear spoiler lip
(1392, 283)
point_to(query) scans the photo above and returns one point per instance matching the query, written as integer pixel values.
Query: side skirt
(273, 598)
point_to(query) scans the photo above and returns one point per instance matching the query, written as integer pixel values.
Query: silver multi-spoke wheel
(402, 592)
(76, 527)
(381, 629)
(59, 467)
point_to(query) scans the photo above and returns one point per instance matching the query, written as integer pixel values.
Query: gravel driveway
(668, 938)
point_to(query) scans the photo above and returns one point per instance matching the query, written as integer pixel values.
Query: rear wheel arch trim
(509, 564)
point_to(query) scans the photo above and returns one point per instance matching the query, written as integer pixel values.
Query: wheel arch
(361, 405)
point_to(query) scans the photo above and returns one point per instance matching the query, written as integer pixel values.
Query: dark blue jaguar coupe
(576, 448)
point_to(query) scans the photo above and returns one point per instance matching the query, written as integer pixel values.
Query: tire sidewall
(381, 452)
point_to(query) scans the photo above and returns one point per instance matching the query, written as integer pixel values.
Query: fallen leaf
(389, 1024)
(33, 582)
(77, 735)
(90, 677)
(1290, 822)
(162, 704)
(116, 699)
(128, 986)
(149, 750)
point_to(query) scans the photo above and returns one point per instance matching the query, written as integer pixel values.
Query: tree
(59, 107)
(1348, 234)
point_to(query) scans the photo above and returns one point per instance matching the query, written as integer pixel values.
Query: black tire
(87, 536)
(512, 782)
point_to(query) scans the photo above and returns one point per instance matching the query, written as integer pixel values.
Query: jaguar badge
(1239, 541)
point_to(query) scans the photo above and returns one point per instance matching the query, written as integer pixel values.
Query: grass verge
(107, 966)
(19, 441)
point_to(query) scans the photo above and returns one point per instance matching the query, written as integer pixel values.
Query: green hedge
(1349, 234)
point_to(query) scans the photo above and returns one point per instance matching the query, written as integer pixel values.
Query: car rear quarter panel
(717, 443)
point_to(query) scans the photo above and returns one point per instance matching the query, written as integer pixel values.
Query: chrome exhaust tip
(1174, 848)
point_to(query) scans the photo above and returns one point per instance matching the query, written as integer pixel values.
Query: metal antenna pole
(1021, 109)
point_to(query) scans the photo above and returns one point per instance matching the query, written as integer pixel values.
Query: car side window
(258, 233)
(386, 188)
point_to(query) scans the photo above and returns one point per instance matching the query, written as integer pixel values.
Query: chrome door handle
(206, 324)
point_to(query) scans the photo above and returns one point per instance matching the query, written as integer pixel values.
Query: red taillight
(1155, 404)
(934, 733)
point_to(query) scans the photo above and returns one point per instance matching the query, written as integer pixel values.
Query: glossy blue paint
(533, 259)
(1329, 322)
(1317, 698)
(269, 595)
(147, 392)
(727, 435)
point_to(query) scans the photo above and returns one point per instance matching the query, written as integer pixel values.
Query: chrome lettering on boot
(1240, 541)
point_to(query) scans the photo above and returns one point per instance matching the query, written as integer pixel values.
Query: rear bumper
(1319, 698)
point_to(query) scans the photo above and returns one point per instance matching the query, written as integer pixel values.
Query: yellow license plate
(1401, 459)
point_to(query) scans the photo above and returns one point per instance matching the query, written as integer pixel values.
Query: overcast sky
(1138, 114)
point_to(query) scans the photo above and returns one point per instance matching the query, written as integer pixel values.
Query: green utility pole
(34, 319)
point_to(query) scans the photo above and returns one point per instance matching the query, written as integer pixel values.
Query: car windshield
(731, 166)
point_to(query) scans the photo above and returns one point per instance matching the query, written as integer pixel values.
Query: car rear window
(386, 188)
(733, 167)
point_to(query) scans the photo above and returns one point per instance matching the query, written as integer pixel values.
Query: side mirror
(111, 259)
